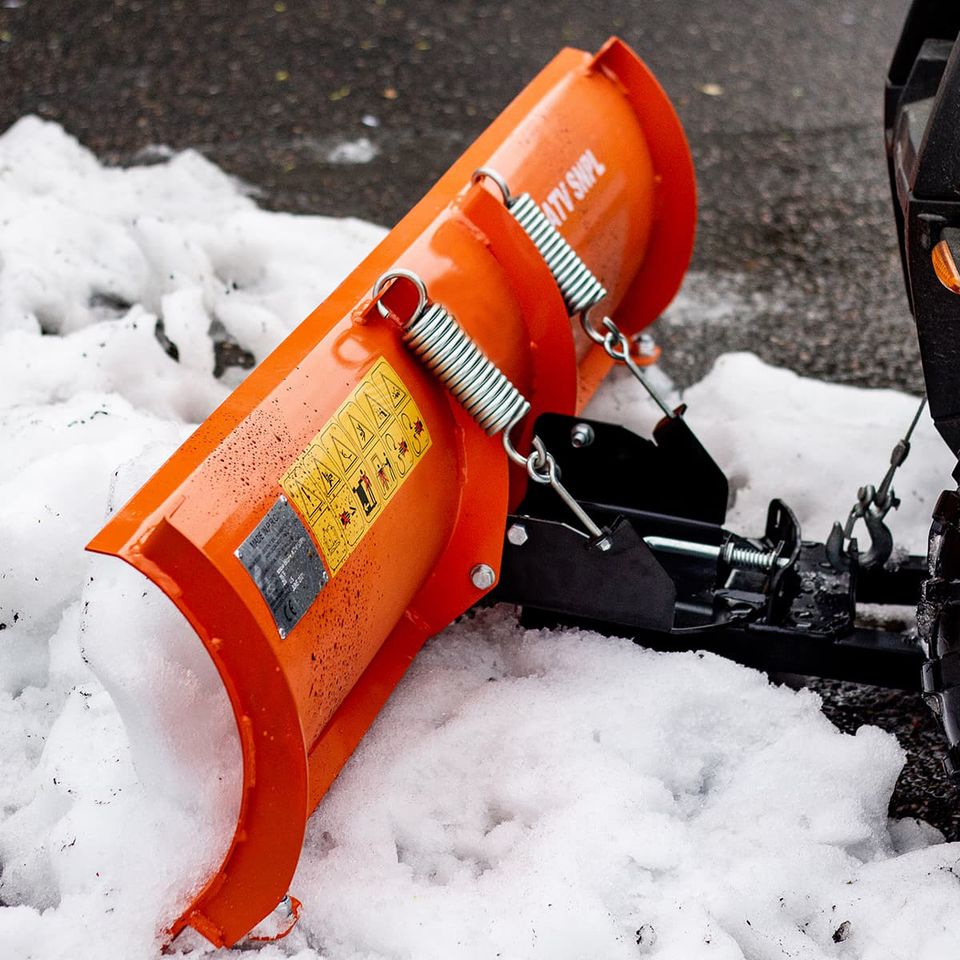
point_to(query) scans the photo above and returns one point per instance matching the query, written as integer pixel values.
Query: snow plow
(415, 447)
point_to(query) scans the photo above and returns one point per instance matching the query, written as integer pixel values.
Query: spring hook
(542, 468)
(619, 348)
(484, 391)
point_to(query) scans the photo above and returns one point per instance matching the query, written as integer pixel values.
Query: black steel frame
(798, 619)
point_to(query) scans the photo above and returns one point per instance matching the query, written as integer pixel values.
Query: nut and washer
(581, 435)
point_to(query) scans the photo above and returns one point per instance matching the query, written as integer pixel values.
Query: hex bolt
(517, 534)
(482, 576)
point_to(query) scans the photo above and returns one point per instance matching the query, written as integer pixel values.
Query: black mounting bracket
(674, 579)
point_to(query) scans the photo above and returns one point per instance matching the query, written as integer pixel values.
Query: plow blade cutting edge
(342, 506)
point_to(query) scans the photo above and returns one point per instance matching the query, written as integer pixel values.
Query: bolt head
(482, 576)
(646, 345)
(581, 435)
(517, 534)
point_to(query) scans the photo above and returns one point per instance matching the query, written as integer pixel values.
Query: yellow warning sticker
(352, 468)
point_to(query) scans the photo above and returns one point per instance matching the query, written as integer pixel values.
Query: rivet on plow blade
(316, 528)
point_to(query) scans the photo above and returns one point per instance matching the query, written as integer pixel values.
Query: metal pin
(731, 553)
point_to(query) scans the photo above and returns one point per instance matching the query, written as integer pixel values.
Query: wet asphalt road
(794, 206)
(781, 100)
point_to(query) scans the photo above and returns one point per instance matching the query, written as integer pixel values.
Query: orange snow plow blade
(327, 518)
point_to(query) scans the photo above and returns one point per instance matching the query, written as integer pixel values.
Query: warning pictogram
(384, 469)
(373, 401)
(411, 422)
(351, 469)
(390, 387)
(356, 425)
(349, 521)
(397, 450)
(315, 459)
(334, 440)
(364, 492)
(305, 491)
(334, 547)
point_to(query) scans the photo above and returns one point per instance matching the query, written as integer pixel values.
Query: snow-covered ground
(525, 794)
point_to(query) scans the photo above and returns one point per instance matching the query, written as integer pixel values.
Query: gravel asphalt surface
(781, 100)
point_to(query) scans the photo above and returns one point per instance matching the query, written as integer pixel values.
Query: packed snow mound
(550, 794)
(95, 256)
(525, 794)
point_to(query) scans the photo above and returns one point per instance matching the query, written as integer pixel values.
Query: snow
(524, 794)
(361, 150)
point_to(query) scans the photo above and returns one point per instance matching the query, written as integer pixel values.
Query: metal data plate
(284, 564)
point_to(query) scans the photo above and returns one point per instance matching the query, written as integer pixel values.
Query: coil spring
(484, 391)
(749, 558)
(579, 288)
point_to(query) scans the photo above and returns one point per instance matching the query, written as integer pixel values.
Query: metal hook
(490, 174)
(414, 278)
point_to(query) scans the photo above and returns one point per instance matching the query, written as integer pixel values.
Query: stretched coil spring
(445, 349)
(579, 288)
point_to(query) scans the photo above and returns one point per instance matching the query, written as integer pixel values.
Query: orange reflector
(945, 266)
